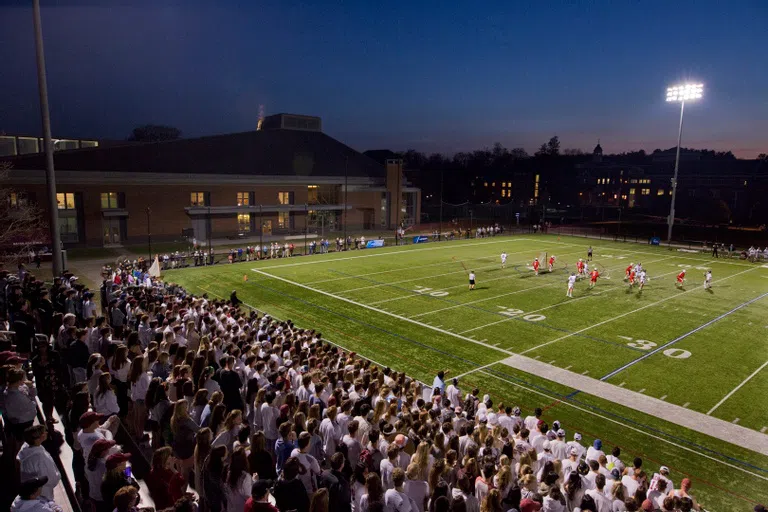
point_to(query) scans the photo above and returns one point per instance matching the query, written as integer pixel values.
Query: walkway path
(696, 421)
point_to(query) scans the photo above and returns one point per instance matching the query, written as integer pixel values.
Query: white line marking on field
(585, 372)
(663, 397)
(570, 301)
(735, 421)
(628, 313)
(726, 397)
(479, 368)
(527, 289)
(762, 430)
(686, 404)
(496, 344)
(642, 391)
(552, 361)
(568, 367)
(537, 357)
(379, 310)
(401, 250)
(629, 427)
(622, 384)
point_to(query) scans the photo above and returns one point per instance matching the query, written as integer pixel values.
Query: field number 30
(675, 353)
(519, 312)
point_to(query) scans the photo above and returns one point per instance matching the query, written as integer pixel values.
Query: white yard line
(563, 303)
(478, 369)
(694, 331)
(524, 290)
(629, 427)
(403, 249)
(734, 390)
(379, 310)
(630, 312)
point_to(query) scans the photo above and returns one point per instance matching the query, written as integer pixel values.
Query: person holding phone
(118, 475)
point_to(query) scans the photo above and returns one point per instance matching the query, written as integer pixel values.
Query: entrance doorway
(266, 227)
(111, 231)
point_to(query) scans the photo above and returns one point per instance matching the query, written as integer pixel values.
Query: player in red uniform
(536, 266)
(628, 271)
(680, 279)
(631, 278)
(551, 263)
(593, 278)
(579, 268)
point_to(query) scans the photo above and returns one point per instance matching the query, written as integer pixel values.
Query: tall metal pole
(261, 229)
(674, 178)
(210, 235)
(346, 177)
(50, 175)
(306, 226)
(440, 233)
(149, 234)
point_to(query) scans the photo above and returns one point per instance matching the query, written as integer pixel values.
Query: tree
(154, 133)
(22, 224)
(573, 152)
(763, 156)
(550, 148)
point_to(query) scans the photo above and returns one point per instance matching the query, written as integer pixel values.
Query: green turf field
(410, 308)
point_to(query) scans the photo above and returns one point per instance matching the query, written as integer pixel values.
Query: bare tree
(22, 224)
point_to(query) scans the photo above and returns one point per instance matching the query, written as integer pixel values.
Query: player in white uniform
(503, 260)
(471, 279)
(708, 279)
(586, 269)
(571, 282)
(641, 277)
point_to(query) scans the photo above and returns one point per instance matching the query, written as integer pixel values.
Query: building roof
(265, 152)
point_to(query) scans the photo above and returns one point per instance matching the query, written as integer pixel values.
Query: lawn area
(410, 308)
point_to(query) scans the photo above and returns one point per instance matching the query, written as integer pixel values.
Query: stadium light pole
(681, 94)
(440, 232)
(50, 175)
(344, 213)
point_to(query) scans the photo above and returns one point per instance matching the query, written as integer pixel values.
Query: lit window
(65, 200)
(646, 191)
(660, 192)
(503, 193)
(243, 222)
(312, 194)
(632, 191)
(536, 187)
(285, 197)
(283, 220)
(485, 184)
(197, 199)
(13, 200)
(243, 198)
(493, 184)
(109, 200)
(633, 181)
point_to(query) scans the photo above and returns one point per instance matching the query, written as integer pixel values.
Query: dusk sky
(436, 76)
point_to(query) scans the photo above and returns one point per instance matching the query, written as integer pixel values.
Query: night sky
(431, 75)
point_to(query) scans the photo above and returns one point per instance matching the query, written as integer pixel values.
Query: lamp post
(149, 234)
(440, 231)
(50, 174)
(681, 94)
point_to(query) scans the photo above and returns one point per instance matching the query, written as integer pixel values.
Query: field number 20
(519, 312)
(428, 291)
(674, 353)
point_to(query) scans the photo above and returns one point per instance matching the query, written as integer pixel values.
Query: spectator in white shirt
(396, 499)
(576, 444)
(105, 399)
(330, 431)
(416, 488)
(595, 451)
(388, 466)
(597, 493)
(35, 461)
(630, 481)
(532, 422)
(614, 461)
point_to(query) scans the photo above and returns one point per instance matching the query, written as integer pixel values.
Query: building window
(68, 229)
(660, 192)
(312, 194)
(485, 184)
(243, 222)
(65, 200)
(284, 220)
(503, 193)
(285, 197)
(197, 199)
(7, 145)
(109, 200)
(13, 200)
(243, 198)
(65, 144)
(536, 188)
(89, 144)
(646, 191)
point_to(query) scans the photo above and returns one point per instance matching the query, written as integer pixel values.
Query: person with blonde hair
(228, 435)
(415, 487)
(165, 483)
(319, 501)
(492, 502)
(423, 460)
(203, 441)
(183, 429)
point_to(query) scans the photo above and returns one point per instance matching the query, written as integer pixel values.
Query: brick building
(286, 178)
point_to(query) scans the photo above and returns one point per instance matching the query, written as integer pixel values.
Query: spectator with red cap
(116, 476)
(684, 492)
(92, 431)
(95, 468)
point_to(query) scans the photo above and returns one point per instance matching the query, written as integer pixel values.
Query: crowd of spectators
(247, 413)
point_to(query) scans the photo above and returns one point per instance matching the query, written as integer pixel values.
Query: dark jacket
(111, 485)
(339, 493)
(291, 495)
(184, 439)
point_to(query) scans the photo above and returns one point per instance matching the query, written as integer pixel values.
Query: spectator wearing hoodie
(30, 497)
